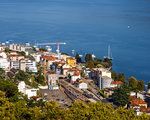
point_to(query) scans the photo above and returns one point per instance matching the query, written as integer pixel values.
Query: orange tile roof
(77, 73)
(18, 55)
(58, 63)
(49, 58)
(116, 82)
(145, 109)
(138, 101)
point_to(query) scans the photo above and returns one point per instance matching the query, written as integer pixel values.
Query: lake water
(87, 26)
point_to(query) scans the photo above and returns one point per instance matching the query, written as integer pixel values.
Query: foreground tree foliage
(8, 87)
(52, 111)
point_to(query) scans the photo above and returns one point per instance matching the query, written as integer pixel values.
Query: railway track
(72, 93)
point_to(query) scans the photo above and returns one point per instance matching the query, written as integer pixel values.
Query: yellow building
(71, 61)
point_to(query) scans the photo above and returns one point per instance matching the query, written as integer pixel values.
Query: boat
(109, 54)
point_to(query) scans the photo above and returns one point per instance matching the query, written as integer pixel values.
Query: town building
(82, 85)
(75, 77)
(36, 57)
(17, 47)
(15, 65)
(116, 83)
(13, 52)
(47, 61)
(1, 48)
(27, 90)
(137, 102)
(71, 61)
(3, 54)
(4, 63)
(109, 91)
(15, 57)
(28, 65)
(104, 82)
(52, 80)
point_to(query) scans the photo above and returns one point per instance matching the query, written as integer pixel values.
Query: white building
(115, 84)
(26, 90)
(103, 72)
(3, 54)
(28, 65)
(36, 57)
(20, 48)
(13, 53)
(1, 48)
(52, 79)
(4, 63)
(74, 78)
(64, 57)
(15, 65)
(82, 85)
(104, 82)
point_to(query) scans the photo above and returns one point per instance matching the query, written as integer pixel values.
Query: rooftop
(18, 55)
(116, 82)
(51, 72)
(49, 58)
(138, 101)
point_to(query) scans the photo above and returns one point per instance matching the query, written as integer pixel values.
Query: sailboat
(109, 54)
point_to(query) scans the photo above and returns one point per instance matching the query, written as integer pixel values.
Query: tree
(149, 85)
(40, 79)
(31, 57)
(98, 60)
(21, 75)
(69, 76)
(132, 83)
(82, 73)
(2, 73)
(63, 53)
(33, 48)
(78, 111)
(114, 75)
(52, 111)
(121, 77)
(106, 60)
(121, 95)
(22, 53)
(7, 50)
(78, 58)
(90, 64)
(43, 49)
(140, 85)
(88, 57)
(6, 108)
(21, 110)
(10, 88)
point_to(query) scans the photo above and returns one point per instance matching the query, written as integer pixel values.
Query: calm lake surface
(87, 26)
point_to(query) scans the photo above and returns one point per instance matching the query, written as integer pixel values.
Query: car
(57, 99)
(45, 94)
(53, 95)
(66, 105)
(62, 100)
